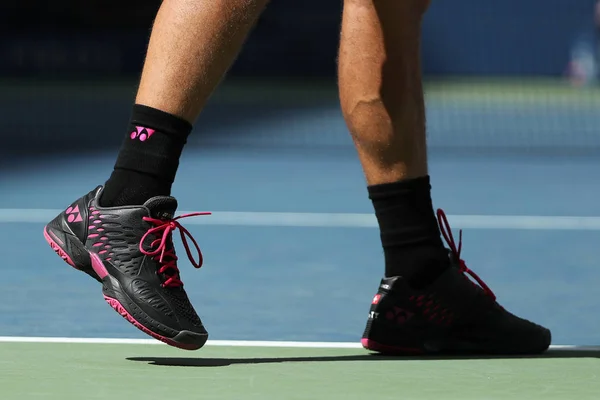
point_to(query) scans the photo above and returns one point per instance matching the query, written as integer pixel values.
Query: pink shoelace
(447, 234)
(162, 248)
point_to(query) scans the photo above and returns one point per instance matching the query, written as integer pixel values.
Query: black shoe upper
(116, 233)
(452, 314)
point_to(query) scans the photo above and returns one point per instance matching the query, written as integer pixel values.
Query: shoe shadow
(578, 352)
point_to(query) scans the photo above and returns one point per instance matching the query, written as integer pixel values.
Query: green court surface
(85, 371)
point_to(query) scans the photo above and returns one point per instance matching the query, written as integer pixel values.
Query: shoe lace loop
(162, 248)
(456, 250)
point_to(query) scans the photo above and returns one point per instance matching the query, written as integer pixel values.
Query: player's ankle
(409, 231)
(148, 159)
(420, 266)
(126, 187)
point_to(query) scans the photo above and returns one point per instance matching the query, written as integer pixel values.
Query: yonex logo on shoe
(142, 133)
(376, 299)
(398, 315)
(164, 215)
(73, 214)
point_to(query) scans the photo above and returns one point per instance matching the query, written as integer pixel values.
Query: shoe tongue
(162, 207)
(389, 282)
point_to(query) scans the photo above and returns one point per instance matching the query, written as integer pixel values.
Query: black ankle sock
(410, 235)
(148, 159)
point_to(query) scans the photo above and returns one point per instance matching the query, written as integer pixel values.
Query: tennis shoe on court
(453, 315)
(130, 251)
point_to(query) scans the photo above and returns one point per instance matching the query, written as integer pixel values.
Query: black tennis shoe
(130, 251)
(452, 315)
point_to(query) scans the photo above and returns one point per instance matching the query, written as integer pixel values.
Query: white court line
(340, 220)
(228, 343)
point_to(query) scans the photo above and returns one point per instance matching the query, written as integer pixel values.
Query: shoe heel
(383, 338)
(70, 249)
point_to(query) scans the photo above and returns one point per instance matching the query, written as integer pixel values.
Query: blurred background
(513, 109)
(501, 76)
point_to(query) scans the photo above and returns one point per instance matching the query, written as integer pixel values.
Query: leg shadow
(566, 352)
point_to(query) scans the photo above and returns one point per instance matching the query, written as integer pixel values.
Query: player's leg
(425, 303)
(120, 233)
(382, 101)
(192, 45)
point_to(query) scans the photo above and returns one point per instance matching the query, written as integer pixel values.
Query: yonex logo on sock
(142, 133)
(73, 214)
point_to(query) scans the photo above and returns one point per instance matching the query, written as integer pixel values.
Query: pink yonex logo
(142, 133)
(73, 214)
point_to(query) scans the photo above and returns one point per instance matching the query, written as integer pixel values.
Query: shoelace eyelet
(456, 250)
(164, 252)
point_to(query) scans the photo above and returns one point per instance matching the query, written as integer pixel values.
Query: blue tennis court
(299, 277)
